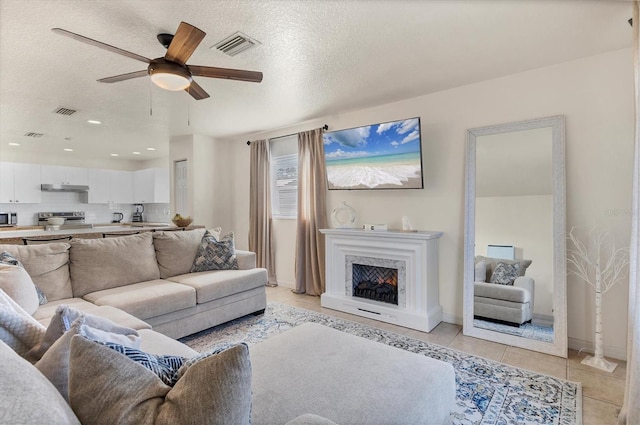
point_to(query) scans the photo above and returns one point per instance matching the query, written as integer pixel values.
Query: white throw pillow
(16, 282)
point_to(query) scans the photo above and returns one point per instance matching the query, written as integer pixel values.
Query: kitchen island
(15, 235)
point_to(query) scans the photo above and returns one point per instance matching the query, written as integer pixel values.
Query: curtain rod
(325, 127)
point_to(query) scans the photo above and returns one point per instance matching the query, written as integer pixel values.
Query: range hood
(64, 188)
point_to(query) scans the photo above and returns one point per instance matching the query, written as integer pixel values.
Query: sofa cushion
(480, 271)
(45, 313)
(176, 251)
(217, 284)
(18, 329)
(29, 399)
(106, 387)
(146, 299)
(97, 264)
(48, 266)
(16, 283)
(215, 253)
(501, 292)
(157, 343)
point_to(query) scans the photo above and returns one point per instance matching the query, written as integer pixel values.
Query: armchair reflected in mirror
(515, 283)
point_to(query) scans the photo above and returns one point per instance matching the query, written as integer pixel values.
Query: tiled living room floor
(602, 393)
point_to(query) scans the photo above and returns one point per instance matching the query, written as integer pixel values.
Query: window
(284, 177)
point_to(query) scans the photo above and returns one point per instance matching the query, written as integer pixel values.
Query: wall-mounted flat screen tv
(379, 156)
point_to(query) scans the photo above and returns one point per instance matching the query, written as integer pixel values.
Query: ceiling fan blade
(123, 77)
(227, 73)
(100, 44)
(184, 43)
(196, 91)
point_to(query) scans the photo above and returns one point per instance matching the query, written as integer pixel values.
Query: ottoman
(313, 369)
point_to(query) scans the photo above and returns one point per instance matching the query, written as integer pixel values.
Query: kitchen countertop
(37, 231)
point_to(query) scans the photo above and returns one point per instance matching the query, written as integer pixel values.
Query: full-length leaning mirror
(514, 263)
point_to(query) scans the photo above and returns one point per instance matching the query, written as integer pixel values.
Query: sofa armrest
(527, 283)
(246, 259)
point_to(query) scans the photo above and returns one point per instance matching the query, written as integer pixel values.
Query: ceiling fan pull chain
(189, 109)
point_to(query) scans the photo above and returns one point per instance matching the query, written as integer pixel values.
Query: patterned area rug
(527, 330)
(487, 392)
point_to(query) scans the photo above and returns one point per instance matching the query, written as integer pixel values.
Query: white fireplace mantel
(417, 252)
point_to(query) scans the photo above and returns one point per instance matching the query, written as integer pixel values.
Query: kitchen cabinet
(110, 186)
(20, 183)
(56, 174)
(151, 186)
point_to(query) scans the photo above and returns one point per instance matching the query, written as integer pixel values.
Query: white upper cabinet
(57, 174)
(20, 183)
(110, 186)
(151, 186)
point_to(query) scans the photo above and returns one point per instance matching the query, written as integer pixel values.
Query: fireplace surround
(411, 258)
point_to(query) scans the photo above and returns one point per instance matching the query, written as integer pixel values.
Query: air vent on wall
(235, 44)
(64, 111)
(34, 135)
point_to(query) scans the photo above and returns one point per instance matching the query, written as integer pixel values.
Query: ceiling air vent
(64, 111)
(34, 135)
(235, 44)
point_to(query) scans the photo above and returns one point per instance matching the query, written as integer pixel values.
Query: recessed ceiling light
(136, 153)
(68, 149)
(114, 154)
(151, 149)
(94, 122)
(14, 144)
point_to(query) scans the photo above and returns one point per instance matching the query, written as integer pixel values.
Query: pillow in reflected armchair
(505, 274)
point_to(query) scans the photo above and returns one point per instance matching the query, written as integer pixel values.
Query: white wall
(596, 96)
(525, 222)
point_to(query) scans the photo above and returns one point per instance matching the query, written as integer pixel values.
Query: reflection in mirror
(514, 251)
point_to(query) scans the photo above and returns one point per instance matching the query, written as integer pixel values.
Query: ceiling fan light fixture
(169, 76)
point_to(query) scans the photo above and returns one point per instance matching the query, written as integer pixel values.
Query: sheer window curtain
(630, 413)
(260, 209)
(312, 214)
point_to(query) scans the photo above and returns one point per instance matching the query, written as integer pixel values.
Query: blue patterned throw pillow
(165, 367)
(6, 258)
(214, 254)
(505, 274)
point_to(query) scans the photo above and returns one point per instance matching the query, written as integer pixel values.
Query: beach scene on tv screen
(380, 156)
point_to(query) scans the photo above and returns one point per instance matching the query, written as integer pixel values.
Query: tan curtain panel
(260, 209)
(312, 214)
(630, 413)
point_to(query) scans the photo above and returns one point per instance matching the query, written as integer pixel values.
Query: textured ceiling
(318, 58)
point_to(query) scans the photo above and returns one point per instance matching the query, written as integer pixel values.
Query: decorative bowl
(55, 221)
(182, 222)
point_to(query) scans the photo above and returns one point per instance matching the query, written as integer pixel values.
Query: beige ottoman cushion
(347, 379)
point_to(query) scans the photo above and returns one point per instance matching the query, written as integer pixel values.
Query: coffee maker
(137, 213)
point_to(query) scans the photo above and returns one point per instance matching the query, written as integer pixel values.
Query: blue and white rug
(526, 330)
(487, 392)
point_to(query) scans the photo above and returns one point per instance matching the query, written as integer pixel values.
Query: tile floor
(602, 392)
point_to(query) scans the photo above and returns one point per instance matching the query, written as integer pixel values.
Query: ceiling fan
(171, 71)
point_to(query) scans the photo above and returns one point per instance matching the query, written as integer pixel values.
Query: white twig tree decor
(599, 263)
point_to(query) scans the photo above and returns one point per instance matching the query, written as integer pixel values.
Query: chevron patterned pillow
(214, 254)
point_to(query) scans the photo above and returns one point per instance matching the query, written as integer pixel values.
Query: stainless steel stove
(72, 220)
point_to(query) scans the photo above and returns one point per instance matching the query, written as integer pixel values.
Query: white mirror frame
(559, 345)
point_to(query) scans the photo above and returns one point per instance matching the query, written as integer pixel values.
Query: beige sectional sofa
(145, 275)
(308, 375)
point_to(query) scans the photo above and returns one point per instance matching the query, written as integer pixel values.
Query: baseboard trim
(451, 318)
(619, 353)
